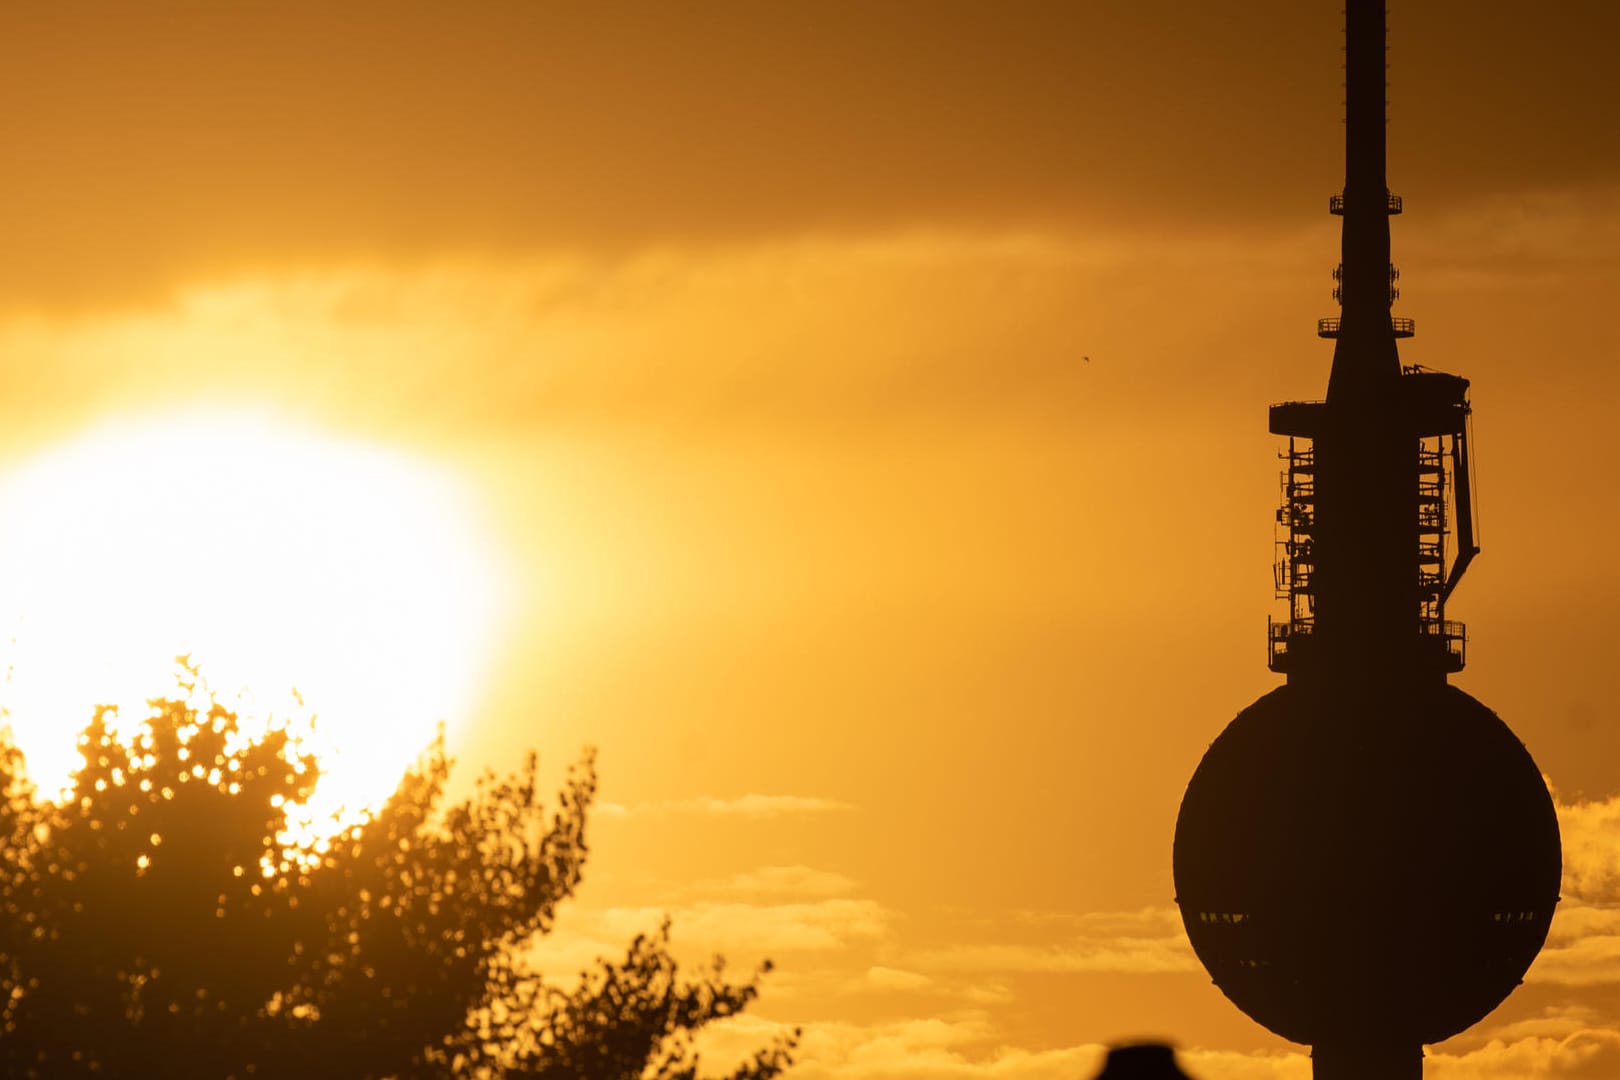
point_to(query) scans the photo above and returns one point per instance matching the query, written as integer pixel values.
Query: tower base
(1369, 1060)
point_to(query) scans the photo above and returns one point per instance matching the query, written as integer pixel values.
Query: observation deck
(1402, 327)
(1288, 642)
(1433, 406)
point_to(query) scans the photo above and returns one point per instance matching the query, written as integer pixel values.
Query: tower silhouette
(1367, 859)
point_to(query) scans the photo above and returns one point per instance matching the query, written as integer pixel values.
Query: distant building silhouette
(1141, 1061)
(1367, 859)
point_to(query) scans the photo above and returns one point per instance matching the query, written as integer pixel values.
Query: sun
(306, 575)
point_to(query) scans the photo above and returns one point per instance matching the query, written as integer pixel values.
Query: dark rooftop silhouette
(1142, 1061)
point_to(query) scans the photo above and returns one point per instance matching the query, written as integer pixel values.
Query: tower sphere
(1385, 860)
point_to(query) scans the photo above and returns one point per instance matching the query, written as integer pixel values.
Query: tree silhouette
(160, 920)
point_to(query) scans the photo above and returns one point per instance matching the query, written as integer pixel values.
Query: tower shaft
(1369, 1060)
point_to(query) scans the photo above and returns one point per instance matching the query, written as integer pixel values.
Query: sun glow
(311, 579)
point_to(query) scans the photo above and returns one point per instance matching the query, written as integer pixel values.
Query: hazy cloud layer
(626, 344)
(847, 947)
(1582, 1055)
(866, 329)
(1583, 945)
(1150, 941)
(162, 143)
(950, 1048)
(964, 1049)
(815, 931)
(802, 881)
(1591, 838)
(752, 806)
(871, 329)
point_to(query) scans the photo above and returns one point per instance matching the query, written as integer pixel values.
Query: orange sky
(900, 628)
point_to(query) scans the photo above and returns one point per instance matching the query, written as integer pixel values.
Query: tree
(160, 920)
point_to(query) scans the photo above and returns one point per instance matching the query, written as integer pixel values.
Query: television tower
(1367, 858)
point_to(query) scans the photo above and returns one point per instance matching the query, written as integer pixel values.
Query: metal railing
(1448, 638)
(1279, 637)
(1336, 203)
(1403, 327)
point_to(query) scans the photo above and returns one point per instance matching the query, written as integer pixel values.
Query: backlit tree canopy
(158, 920)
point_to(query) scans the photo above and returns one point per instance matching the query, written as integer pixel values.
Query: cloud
(752, 806)
(467, 133)
(1591, 838)
(967, 1048)
(960, 989)
(810, 982)
(886, 978)
(878, 326)
(878, 989)
(780, 881)
(1238, 1065)
(908, 1049)
(843, 947)
(1583, 943)
(1519, 238)
(830, 945)
(1585, 1055)
(1583, 947)
(1556, 1022)
(738, 928)
(509, 127)
(743, 932)
(1149, 941)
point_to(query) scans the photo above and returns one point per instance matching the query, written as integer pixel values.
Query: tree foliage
(159, 920)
